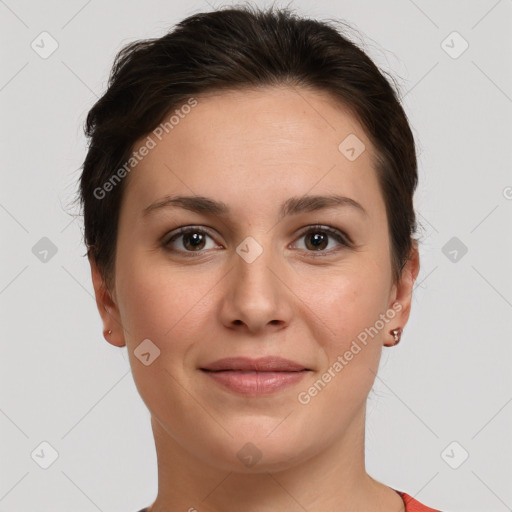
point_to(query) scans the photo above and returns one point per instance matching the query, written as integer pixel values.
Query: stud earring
(396, 333)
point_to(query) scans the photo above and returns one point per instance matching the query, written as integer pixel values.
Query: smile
(255, 382)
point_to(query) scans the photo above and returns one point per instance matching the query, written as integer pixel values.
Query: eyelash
(339, 236)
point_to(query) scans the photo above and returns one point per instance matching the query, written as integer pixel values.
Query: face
(287, 255)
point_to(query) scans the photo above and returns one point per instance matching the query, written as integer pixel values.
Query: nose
(256, 296)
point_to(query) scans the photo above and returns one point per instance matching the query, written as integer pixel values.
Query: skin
(253, 150)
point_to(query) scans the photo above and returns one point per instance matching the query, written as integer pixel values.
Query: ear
(107, 308)
(402, 291)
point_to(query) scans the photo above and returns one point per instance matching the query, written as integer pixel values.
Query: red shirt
(411, 505)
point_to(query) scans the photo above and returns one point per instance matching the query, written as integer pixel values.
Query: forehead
(256, 144)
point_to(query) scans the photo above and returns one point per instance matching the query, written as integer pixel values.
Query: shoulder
(412, 505)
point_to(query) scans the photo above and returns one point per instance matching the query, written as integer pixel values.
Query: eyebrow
(292, 206)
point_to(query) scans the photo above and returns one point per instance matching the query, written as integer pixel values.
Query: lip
(262, 364)
(254, 377)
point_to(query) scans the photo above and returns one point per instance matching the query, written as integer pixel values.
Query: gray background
(449, 379)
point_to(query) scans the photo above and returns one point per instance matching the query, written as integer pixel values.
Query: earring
(396, 333)
(107, 333)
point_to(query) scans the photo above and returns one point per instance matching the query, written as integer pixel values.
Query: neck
(334, 479)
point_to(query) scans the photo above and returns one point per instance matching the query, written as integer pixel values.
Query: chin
(255, 451)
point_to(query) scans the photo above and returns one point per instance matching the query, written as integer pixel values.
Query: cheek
(351, 305)
(350, 299)
(162, 304)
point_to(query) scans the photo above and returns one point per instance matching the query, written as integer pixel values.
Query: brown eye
(319, 238)
(192, 240)
(316, 241)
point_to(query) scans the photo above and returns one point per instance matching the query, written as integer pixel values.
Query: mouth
(254, 383)
(254, 377)
(262, 364)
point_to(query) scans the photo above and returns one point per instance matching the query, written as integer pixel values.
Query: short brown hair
(233, 48)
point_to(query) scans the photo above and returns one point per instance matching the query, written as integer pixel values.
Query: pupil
(318, 240)
(196, 239)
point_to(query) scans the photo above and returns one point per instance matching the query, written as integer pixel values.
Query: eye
(317, 239)
(193, 239)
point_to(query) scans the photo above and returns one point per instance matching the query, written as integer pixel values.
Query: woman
(248, 209)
